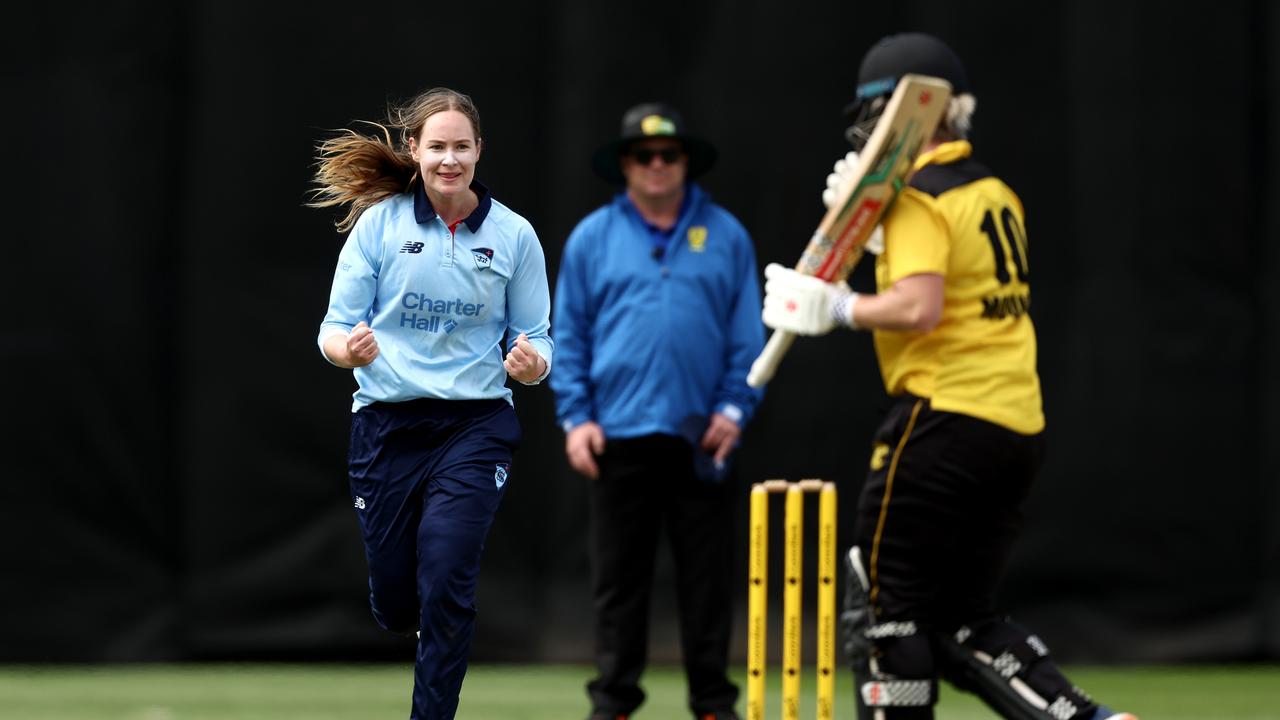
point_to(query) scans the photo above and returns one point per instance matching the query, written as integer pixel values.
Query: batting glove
(841, 175)
(838, 182)
(803, 304)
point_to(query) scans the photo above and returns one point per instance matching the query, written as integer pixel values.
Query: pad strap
(1016, 676)
(1014, 660)
(1062, 708)
(899, 693)
(891, 629)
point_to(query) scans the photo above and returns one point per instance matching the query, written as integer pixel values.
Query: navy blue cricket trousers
(426, 480)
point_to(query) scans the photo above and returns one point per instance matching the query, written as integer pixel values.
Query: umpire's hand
(583, 443)
(721, 437)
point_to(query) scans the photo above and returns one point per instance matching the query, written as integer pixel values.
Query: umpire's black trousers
(646, 484)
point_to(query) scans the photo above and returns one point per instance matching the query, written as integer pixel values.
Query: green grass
(534, 692)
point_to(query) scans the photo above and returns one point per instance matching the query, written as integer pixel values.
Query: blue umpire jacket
(651, 336)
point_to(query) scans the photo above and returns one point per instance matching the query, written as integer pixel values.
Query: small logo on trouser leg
(500, 477)
(359, 503)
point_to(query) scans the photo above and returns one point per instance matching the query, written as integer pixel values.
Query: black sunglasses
(644, 156)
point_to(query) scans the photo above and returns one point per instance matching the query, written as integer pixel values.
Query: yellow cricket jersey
(958, 220)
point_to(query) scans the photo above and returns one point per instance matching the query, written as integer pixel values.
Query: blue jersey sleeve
(573, 319)
(529, 300)
(353, 294)
(745, 339)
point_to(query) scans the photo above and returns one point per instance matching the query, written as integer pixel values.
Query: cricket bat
(884, 167)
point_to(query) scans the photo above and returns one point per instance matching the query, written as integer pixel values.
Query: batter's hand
(838, 182)
(362, 346)
(721, 436)
(799, 303)
(841, 177)
(583, 443)
(523, 362)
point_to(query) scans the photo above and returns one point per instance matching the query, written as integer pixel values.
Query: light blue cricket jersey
(439, 301)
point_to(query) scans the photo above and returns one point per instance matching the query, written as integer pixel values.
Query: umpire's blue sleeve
(529, 301)
(745, 340)
(572, 320)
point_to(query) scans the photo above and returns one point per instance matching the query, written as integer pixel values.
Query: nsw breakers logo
(500, 477)
(434, 315)
(483, 256)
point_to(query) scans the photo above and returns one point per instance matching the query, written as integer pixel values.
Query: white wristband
(842, 309)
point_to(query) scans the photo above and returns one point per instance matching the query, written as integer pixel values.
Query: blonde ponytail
(360, 171)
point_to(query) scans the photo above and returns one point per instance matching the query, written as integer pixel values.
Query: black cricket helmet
(886, 62)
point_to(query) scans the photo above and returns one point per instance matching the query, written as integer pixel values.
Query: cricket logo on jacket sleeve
(500, 477)
(483, 256)
(698, 238)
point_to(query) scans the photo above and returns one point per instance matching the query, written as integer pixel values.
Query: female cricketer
(954, 459)
(433, 275)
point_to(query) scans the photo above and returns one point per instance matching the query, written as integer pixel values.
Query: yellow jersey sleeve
(919, 237)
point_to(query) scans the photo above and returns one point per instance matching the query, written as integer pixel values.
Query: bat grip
(766, 365)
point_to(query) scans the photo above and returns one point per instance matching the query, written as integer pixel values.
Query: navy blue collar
(423, 212)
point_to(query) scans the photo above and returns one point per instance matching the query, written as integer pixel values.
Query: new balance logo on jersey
(412, 247)
(483, 256)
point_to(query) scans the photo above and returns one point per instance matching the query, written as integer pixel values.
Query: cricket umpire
(954, 459)
(656, 324)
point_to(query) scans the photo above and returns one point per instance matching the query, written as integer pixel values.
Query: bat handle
(766, 365)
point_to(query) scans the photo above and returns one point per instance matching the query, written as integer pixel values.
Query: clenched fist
(523, 362)
(361, 346)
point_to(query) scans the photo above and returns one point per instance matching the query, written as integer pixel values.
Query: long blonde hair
(363, 170)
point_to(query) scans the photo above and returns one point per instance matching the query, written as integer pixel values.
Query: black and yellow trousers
(935, 523)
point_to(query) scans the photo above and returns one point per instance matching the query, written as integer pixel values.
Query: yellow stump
(792, 599)
(757, 601)
(826, 601)
(793, 559)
